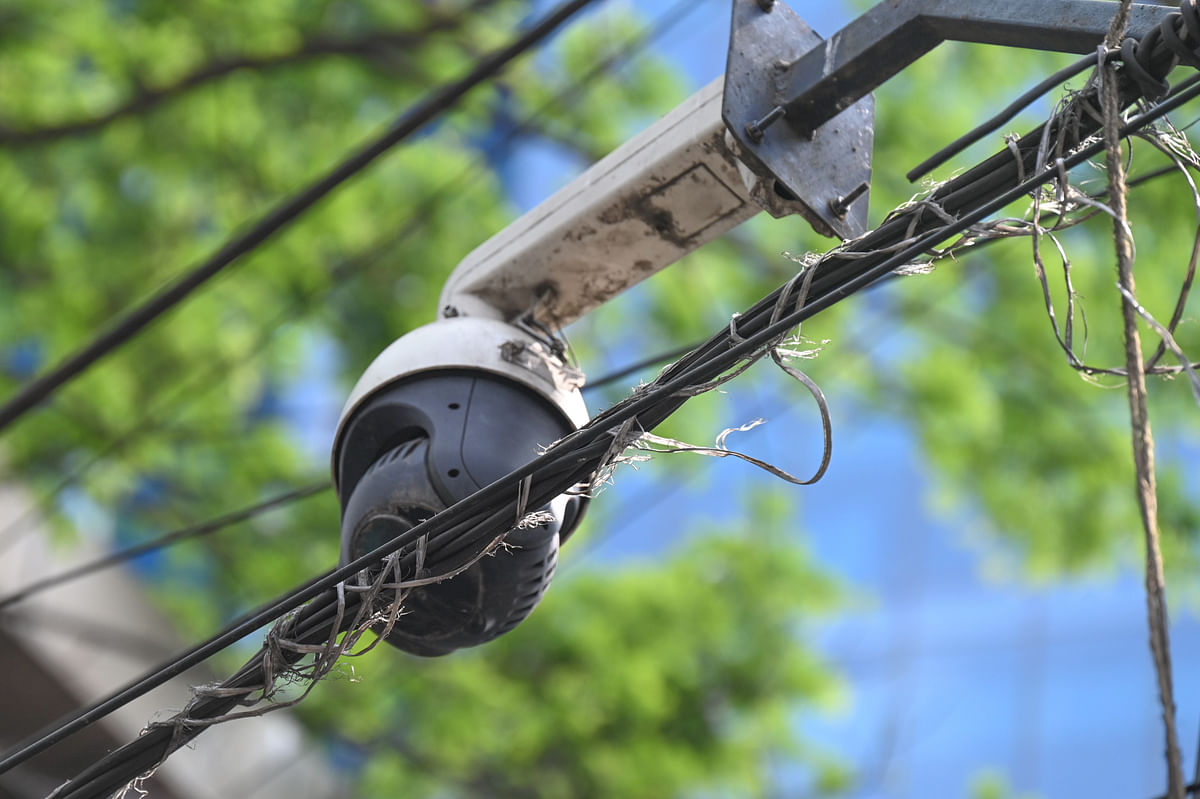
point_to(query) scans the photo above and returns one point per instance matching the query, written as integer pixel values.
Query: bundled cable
(343, 273)
(456, 537)
(136, 319)
(1147, 62)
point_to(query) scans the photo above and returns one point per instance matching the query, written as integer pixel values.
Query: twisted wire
(458, 534)
(1147, 62)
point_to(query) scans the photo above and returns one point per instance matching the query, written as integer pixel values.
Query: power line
(279, 217)
(455, 535)
(453, 187)
(633, 368)
(671, 18)
(992, 125)
(664, 389)
(906, 235)
(214, 525)
(188, 533)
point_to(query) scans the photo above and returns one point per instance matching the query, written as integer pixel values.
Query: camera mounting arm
(452, 406)
(666, 192)
(789, 129)
(658, 197)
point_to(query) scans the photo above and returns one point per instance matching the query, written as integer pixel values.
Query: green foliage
(1036, 454)
(683, 678)
(652, 681)
(96, 222)
(993, 785)
(639, 683)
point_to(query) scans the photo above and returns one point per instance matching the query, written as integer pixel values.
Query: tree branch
(316, 47)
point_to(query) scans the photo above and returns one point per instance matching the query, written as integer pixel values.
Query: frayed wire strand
(1143, 441)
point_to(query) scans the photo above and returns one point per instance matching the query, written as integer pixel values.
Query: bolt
(766, 5)
(754, 130)
(838, 207)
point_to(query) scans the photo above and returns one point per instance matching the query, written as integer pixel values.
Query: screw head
(840, 205)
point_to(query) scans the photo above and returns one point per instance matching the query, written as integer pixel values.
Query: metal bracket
(862, 56)
(780, 70)
(828, 172)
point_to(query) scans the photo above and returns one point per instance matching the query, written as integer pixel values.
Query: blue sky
(953, 673)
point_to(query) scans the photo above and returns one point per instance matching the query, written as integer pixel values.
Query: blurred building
(79, 642)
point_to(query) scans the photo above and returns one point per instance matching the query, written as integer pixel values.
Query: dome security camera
(457, 404)
(442, 412)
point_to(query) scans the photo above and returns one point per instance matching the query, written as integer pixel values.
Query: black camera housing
(421, 444)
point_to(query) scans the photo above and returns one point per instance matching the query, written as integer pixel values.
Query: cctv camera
(442, 412)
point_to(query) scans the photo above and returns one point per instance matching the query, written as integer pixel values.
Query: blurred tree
(136, 135)
(682, 678)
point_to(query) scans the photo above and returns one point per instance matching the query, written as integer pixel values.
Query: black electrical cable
(216, 524)
(188, 533)
(645, 363)
(669, 355)
(133, 321)
(219, 523)
(630, 408)
(455, 186)
(992, 125)
(452, 534)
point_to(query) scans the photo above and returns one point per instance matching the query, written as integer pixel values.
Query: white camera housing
(470, 342)
(444, 411)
